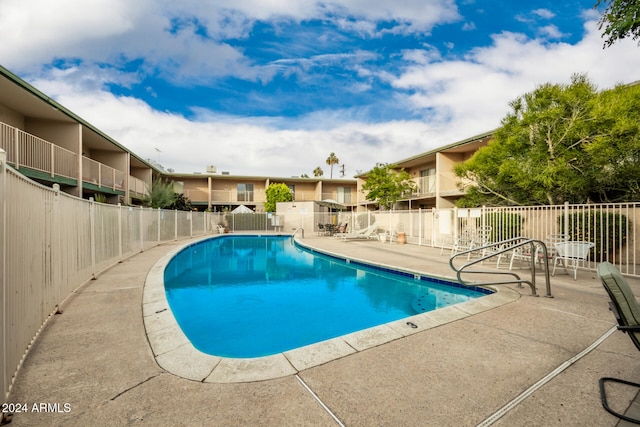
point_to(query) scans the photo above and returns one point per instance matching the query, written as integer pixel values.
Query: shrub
(606, 230)
(504, 225)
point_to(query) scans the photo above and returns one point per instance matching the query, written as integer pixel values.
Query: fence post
(92, 237)
(3, 274)
(120, 232)
(566, 219)
(141, 222)
(159, 222)
(455, 224)
(420, 229)
(175, 224)
(53, 160)
(56, 245)
(16, 148)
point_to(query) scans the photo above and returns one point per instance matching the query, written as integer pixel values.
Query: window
(245, 192)
(292, 189)
(427, 181)
(344, 195)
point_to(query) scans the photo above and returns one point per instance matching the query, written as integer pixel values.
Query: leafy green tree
(276, 192)
(560, 143)
(181, 203)
(537, 156)
(332, 160)
(160, 195)
(615, 150)
(318, 171)
(620, 19)
(385, 184)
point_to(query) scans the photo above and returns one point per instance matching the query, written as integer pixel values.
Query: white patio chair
(523, 253)
(571, 254)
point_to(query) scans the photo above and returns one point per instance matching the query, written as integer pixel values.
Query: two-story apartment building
(433, 174)
(225, 192)
(52, 145)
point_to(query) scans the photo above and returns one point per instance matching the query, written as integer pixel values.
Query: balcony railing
(26, 150)
(102, 175)
(232, 196)
(425, 186)
(195, 195)
(137, 187)
(340, 197)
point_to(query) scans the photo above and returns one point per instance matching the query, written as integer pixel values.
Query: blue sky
(271, 88)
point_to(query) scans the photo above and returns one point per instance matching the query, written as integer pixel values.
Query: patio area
(96, 358)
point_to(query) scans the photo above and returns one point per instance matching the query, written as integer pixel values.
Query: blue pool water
(252, 296)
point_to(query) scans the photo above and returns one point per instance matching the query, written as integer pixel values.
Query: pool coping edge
(174, 352)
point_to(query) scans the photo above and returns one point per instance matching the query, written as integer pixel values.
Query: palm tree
(318, 171)
(332, 160)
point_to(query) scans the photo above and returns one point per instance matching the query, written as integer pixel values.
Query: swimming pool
(253, 296)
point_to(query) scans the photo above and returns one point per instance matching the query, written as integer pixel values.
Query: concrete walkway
(95, 357)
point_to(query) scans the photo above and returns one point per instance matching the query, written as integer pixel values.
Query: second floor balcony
(41, 158)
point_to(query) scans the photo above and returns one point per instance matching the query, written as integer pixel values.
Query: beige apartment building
(221, 192)
(433, 174)
(52, 145)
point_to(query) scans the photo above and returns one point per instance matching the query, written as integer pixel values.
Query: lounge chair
(571, 254)
(523, 253)
(365, 233)
(626, 309)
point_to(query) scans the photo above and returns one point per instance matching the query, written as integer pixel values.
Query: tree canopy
(332, 160)
(276, 192)
(162, 195)
(620, 19)
(386, 185)
(560, 143)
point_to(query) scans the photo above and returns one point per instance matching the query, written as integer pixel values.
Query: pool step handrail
(505, 246)
(296, 230)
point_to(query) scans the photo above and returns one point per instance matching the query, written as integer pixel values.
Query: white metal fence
(51, 243)
(610, 227)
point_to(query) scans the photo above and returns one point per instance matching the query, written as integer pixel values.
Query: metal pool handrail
(506, 246)
(295, 231)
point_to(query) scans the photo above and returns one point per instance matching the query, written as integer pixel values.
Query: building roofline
(448, 147)
(441, 149)
(54, 104)
(258, 177)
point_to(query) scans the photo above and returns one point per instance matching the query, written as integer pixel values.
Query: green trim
(107, 190)
(45, 176)
(26, 86)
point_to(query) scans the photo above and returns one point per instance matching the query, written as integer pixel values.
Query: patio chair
(365, 233)
(523, 253)
(626, 309)
(463, 243)
(571, 254)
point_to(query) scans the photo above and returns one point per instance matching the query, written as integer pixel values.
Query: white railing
(52, 243)
(232, 196)
(610, 227)
(94, 172)
(425, 185)
(137, 187)
(26, 150)
(344, 198)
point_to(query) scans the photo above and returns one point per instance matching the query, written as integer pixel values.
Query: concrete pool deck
(96, 358)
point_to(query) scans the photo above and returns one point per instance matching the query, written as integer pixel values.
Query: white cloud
(457, 98)
(472, 95)
(550, 32)
(543, 13)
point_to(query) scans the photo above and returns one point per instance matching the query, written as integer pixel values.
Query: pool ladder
(499, 249)
(295, 231)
